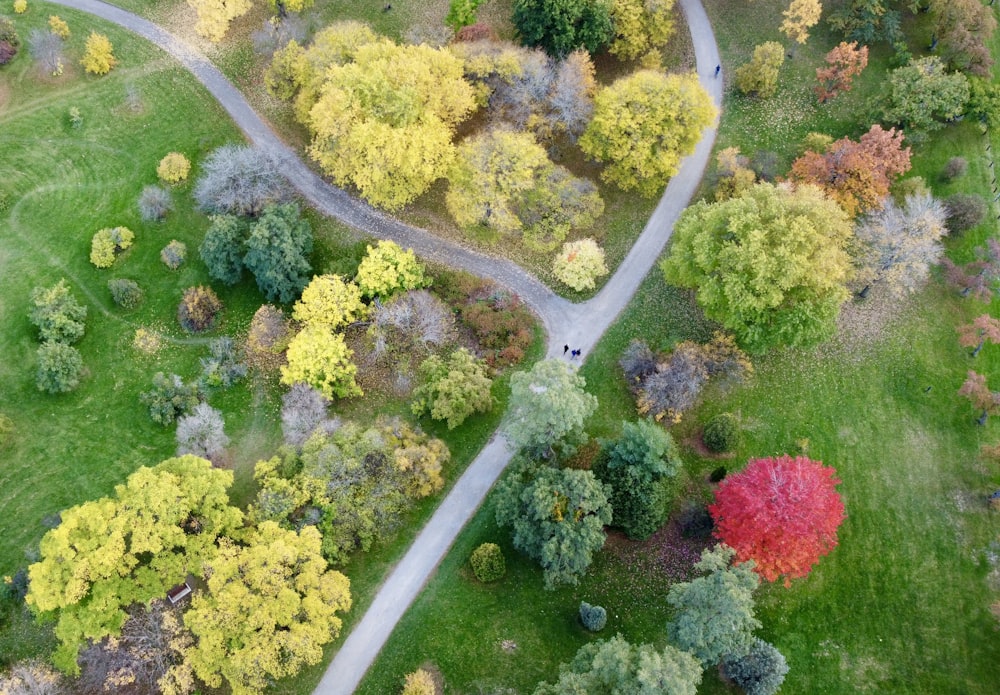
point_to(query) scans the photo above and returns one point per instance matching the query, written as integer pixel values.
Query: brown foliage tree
(856, 174)
(965, 28)
(976, 390)
(976, 334)
(844, 63)
(977, 278)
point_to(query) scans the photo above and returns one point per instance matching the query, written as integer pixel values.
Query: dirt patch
(4, 95)
(696, 445)
(665, 558)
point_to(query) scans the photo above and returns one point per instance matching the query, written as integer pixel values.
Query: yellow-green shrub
(107, 243)
(173, 168)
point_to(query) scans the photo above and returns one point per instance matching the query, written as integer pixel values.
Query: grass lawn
(62, 183)
(902, 604)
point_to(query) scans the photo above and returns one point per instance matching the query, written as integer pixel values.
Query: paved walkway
(578, 325)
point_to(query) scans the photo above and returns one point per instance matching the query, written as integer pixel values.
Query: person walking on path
(718, 69)
(565, 350)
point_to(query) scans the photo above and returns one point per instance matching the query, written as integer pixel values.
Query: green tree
(270, 607)
(639, 467)
(384, 121)
(922, 97)
(556, 516)
(329, 301)
(163, 523)
(278, 248)
(59, 368)
(643, 125)
(868, 22)
(761, 671)
(641, 26)
(760, 75)
(223, 248)
(462, 13)
(320, 358)
(770, 264)
(715, 612)
(57, 314)
(561, 26)
(615, 667)
(387, 269)
(453, 389)
(548, 408)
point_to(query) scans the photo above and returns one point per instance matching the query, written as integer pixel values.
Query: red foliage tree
(976, 334)
(856, 174)
(844, 62)
(782, 513)
(976, 390)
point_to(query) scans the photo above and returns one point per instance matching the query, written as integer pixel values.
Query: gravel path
(578, 325)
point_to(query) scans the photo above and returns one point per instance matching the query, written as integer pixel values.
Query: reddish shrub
(476, 32)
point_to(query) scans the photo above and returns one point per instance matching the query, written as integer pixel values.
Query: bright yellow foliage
(387, 269)
(384, 122)
(270, 607)
(99, 57)
(579, 264)
(800, 17)
(214, 16)
(20, 6)
(173, 168)
(329, 301)
(420, 682)
(643, 124)
(320, 358)
(58, 26)
(107, 243)
(641, 26)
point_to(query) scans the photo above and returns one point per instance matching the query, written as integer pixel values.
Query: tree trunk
(863, 294)
(978, 347)
(982, 418)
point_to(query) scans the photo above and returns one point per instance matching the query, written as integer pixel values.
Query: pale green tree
(57, 314)
(329, 300)
(320, 358)
(579, 264)
(162, 524)
(556, 516)
(548, 408)
(453, 389)
(922, 96)
(615, 667)
(387, 269)
(760, 76)
(770, 264)
(270, 607)
(384, 122)
(715, 612)
(643, 125)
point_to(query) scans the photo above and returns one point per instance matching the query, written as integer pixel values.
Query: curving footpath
(579, 325)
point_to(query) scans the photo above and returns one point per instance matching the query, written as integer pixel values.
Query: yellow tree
(329, 301)
(800, 17)
(98, 57)
(105, 555)
(214, 16)
(643, 124)
(760, 75)
(387, 269)
(641, 26)
(384, 122)
(321, 359)
(270, 607)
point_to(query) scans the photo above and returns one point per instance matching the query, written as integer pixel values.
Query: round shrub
(965, 211)
(59, 368)
(173, 168)
(126, 293)
(487, 563)
(154, 203)
(955, 168)
(594, 618)
(722, 433)
(57, 314)
(9, 41)
(170, 398)
(199, 309)
(20, 6)
(761, 671)
(579, 264)
(718, 474)
(108, 243)
(420, 682)
(173, 254)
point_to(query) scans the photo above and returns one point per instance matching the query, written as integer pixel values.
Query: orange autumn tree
(781, 512)
(856, 174)
(844, 63)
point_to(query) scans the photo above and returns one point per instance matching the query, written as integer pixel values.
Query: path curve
(579, 325)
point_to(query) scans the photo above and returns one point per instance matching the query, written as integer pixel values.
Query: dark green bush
(170, 398)
(126, 293)
(59, 368)
(718, 474)
(594, 618)
(487, 563)
(965, 211)
(722, 433)
(696, 522)
(761, 671)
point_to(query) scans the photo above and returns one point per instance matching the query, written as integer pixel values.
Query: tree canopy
(453, 388)
(556, 516)
(923, 96)
(769, 264)
(561, 26)
(780, 512)
(643, 125)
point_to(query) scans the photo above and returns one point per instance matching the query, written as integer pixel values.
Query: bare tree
(416, 318)
(47, 50)
(571, 97)
(201, 433)
(675, 385)
(637, 362)
(239, 180)
(154, 203)
(303, 410)
(31, 678)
